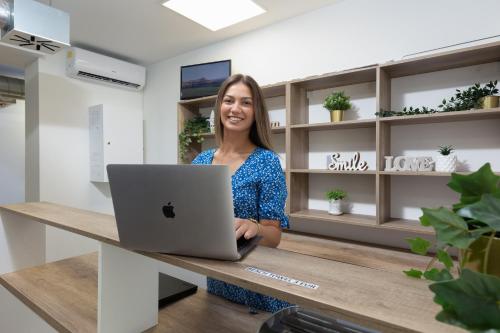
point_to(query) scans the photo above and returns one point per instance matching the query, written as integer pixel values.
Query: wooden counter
(355, 283)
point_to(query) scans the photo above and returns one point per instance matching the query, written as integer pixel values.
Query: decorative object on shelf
(275, 123)
(334, 163)
(335, 198)
(490, 102)
(193, 128)
(473, 97)
(446, 160)
(337, 103)
(405, 163)
(470, 300)
(211, 122)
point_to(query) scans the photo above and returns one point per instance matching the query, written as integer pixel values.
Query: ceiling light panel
(215, 14)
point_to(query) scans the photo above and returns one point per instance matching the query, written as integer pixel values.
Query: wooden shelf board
(274, 130)
(338, 79)
(371, 256)
(407, 225)
(346, 124)
(421, 173)
(443, 117)
(367, 172)
(271, 90)
(355, 219)
(50, 291)
(470, 56)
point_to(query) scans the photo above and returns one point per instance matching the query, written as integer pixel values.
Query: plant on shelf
(337, 102)
(193, 128)
(468, 291)
(335, 198)
(470, 98)
(446, 160)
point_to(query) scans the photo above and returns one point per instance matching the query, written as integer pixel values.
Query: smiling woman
(259, 189)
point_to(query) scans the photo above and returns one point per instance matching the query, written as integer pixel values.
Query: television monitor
(203, 79)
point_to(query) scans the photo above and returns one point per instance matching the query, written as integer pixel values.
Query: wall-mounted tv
(203, 79)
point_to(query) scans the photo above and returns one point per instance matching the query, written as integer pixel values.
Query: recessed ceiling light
(215, 14)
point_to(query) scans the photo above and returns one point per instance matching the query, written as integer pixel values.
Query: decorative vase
(336, 115)
(446, 163)
(489, 102)
(475, 256)
(335, 207)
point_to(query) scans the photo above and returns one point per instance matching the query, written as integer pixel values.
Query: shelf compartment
(338, 79)
(50, 290)
(335, 172)
(321, 215)
(470, 56)
(347, 124)
(478, 114)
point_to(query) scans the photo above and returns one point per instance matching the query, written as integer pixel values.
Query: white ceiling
(144, 32)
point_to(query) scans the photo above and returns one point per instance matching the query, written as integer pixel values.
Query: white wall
(347, 34)
(12, 144)
(63, 141)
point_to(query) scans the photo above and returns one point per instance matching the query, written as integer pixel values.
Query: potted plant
(490, 101)
(446, 160)
(193, 128)
(468, 291)
(337, 103)
(335, 199)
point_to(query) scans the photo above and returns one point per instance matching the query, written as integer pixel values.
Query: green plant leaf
(435, 274)
(419, 245)
(473, 186)
(487, 210)
(472, 301)
(445, 258)
(414, 273)
(450, 228)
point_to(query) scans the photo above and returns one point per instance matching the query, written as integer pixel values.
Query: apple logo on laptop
(168, 210)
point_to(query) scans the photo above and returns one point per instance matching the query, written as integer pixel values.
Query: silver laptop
(176, 209)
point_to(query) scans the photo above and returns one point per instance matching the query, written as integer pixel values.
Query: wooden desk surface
(367, 294)
(64, 293)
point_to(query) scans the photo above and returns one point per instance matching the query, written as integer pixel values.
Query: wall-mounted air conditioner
(90, 66)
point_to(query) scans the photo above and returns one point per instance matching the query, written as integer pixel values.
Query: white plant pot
(446, 163)
(335, 207)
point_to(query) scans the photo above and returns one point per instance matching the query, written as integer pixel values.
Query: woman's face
(237, 112)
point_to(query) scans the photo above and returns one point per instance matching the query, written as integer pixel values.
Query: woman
(242, 131)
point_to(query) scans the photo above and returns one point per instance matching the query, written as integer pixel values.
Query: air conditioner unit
(90, 66)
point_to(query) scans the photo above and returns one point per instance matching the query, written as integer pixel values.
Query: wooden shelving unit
(298, 129)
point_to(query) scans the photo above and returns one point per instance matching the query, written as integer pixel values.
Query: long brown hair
(260, 132)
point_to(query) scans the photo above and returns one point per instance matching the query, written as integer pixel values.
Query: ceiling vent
(32, 25)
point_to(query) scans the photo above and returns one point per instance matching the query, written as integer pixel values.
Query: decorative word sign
(275, 124)
(334, 163)
(405, 163)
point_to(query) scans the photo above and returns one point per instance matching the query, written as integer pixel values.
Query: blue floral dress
(259, 192)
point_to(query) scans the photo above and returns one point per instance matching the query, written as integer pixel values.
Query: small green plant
(337, 101)
(336, 194)
(193, 128)
(446, 150)
(472, 300)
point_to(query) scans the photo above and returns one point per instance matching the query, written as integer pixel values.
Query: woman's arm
(270, 231)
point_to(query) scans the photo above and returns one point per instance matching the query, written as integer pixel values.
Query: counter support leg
(22, 242)
(127, 291)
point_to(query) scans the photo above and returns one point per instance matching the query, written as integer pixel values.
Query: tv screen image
(203, 79)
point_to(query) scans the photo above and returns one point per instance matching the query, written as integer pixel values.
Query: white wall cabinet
(116, 137)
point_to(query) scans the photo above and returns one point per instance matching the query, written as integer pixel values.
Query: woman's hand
(245, 228)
